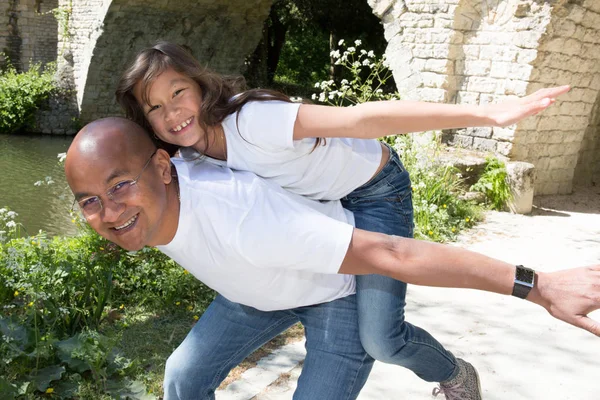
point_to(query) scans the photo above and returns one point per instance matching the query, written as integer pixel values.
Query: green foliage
(368, 78)
(494, 183)
(440, 213)
(57, 295)
(21, 94)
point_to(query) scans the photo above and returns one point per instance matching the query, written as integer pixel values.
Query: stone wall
(28, 31)
(481, 51)
(105, 35)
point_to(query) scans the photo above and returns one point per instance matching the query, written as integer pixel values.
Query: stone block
(503, 134)
(478, 68)
(521, 179)
(504, 148)
(484, 144)
(482, 84)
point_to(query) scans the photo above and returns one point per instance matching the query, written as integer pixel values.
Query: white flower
(334, 54)
(341, 42)
(322, 97)
(314, 96)
(370, 53)
(11, 214)
(38, 183)
(344, 81)
(11, 224)
(351, 49)
(379, 91)
(317, 85)
(358, 42)
(363, 51)
(61, 157)
(366, 62)
(356, 64)
(3, 211)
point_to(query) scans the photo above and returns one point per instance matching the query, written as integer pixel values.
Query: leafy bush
(494, 183)
(440, 213)
(57, 294)
(21, 94)
(368, 77)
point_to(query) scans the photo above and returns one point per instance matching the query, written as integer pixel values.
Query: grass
(149, 338)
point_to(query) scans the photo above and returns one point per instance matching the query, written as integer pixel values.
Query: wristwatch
(524, 281)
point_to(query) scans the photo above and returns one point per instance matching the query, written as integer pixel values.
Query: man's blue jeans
(384, 204)
(336, 365)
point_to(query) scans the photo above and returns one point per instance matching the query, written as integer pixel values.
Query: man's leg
(336, 365)
(226, 334)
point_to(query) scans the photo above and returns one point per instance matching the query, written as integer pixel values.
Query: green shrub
(440, 213)
(58, 293)
(21, 94)
(494, 183)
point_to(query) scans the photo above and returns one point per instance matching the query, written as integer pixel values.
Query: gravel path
(520, 351)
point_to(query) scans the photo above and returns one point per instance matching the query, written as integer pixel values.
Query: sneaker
(464, 386)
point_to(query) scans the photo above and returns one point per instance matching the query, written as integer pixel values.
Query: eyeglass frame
(110, 191)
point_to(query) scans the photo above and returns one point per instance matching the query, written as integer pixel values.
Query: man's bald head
(114, 163)
(109, 137)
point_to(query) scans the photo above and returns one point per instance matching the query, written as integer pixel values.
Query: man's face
(135, 220)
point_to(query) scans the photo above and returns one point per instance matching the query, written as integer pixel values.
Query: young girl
(325, 153)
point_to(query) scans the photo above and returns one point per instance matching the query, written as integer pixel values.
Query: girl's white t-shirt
(260, 139)
(256, 243)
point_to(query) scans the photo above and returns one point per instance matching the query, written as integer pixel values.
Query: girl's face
(174, 109)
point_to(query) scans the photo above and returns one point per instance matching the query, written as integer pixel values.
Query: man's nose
(111, 210)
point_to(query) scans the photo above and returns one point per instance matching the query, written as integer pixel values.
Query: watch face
(524, 275)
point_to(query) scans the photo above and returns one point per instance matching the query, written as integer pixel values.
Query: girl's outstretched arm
(382, 118)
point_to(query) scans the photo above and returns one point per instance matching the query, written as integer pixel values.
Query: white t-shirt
(257, 244)
(261, 140)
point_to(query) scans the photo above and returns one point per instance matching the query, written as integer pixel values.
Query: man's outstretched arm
(568, 295)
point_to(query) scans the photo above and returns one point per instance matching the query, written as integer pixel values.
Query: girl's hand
(512, 111)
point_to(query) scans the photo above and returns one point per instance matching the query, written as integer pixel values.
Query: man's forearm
(425, 263)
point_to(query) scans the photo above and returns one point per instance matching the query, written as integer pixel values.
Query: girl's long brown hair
(217, 91)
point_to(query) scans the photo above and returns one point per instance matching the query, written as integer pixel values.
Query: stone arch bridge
(464, 51)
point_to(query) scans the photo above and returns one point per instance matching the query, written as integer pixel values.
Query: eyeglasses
(118, 193)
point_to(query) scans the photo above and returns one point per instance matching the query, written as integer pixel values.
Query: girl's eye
(152, 109)
(177, 92)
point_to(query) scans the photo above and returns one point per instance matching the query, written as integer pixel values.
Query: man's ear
(164, 165)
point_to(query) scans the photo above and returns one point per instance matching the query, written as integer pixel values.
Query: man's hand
(512, 111)
(570, 295)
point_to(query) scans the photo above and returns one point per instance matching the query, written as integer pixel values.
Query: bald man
(276, 258)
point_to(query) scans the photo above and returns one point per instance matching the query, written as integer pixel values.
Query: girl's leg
(385, 205)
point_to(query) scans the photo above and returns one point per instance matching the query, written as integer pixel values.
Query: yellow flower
(30, 304)
(16, 293)
(121, 306)
(196, 318)
(467, 219)
(178, 303)
(73, 220)
(101, 248)
(453, 229)
(185, 272)
(49, 390)
(190, 308)
(444, 206)
(430, 233)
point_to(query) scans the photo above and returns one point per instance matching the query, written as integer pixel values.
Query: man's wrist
(524, 281)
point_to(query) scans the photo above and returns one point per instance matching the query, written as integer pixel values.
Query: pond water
(25, 160)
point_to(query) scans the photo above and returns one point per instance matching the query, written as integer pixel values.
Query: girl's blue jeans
(384, 204)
